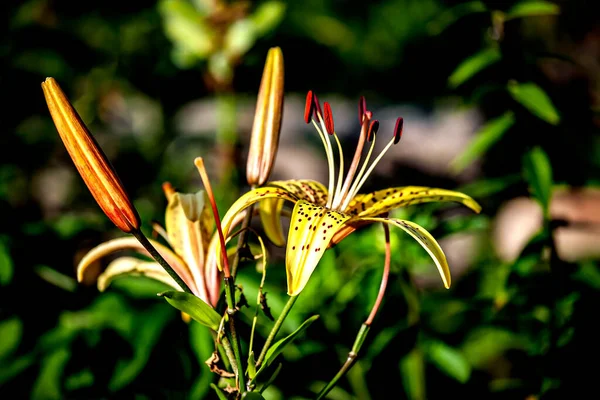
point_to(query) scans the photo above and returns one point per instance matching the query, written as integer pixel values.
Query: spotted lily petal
(311, 229)
(270, 216)
(376, 203)
(130, 243)
(189, 223)
(304, 189)
(425, 239)
(123, 266)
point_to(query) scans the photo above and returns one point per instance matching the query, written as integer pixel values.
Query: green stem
(364, 329)
(230, 297)
(159, 259)
(242, 239)
(276, 327)
(350, 360)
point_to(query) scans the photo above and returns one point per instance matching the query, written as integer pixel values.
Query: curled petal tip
(89, 159)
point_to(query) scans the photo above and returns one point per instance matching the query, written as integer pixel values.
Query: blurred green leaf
(139, 287)
(532, 97)
(6, 264)
(79, 380)
(530, 8)
(489, 187)
(412, 370)
(252, 396)
(187, 29)
(487, 136)
(196, 308)
(485, 344)
(10, 331)
(280, 345)
(148, 328)
(267, 16)
(537, 170)
(589, 274)
(451, 15)
(49, 381)
(449, 360)
(56, 278)
(240, 37)
(472, 65)
(203, 346)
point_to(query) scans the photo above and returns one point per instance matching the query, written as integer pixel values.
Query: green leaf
(532, 8)
(472, 65)
(532, 97)
(49, 382)
(278, 347)
(537, 171)
(485, 344)
(148, 327)
(252, 396)
(450, 16)
(6, 264)
(449, 360)
(202, 344)
(267, 16)
(10, 332)
(196, 308)
(412, 370)
(487, 136)
(220, 394)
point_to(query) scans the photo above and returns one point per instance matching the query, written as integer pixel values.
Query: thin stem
(159, 259)
(364, 329)
(242, 239)
(275, 329)
(231, 310)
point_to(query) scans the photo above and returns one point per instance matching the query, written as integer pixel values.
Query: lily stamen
(341, 194)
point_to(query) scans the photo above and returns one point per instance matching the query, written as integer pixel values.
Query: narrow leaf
(538, 173)
(278, 347)
(6, 264)
(532, 97)
(487, 136)
(450, 361)
(412, 370)
(194, 307)
(532, 8)
(472, 65)
(220, 394)
(252, 396)
(10, 332)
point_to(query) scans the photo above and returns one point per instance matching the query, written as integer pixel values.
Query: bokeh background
(500, 100)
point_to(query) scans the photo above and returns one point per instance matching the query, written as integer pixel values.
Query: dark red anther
(362, 108)
(309, 107)
(328, 118)
(373, 128)
(317, 106)
(368, 114)
(398, 129)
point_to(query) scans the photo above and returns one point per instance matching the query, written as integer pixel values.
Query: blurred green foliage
(508, 328)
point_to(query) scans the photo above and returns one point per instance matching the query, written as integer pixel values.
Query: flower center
(341, 191)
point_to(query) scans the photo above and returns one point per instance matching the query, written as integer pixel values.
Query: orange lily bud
(92, 164)
(267, 120)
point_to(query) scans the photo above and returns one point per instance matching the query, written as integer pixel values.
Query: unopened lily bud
(92, 164)
(267, 120)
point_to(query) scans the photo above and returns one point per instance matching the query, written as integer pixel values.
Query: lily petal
(270, 216)
(131, 243)
(189, 223)
(311, 230)
(304, 189)
(134, 266)
(376, 203)
(424, 238)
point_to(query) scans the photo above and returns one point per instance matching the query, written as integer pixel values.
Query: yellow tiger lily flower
(323, 216)
(189, 226)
